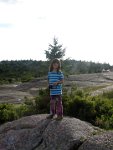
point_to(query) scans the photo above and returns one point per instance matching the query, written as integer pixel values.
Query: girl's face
(55, 66)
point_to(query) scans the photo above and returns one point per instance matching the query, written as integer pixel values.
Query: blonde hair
(53, 62)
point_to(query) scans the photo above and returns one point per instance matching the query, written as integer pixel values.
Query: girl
(55, 80)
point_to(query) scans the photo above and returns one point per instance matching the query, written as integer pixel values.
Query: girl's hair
(53, 62)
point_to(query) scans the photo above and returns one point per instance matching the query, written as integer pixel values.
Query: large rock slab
(23, 134)
(99, 142)
(66, 134)
(38, 133)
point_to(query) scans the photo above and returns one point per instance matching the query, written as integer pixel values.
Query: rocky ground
(15, 93)
(38, 133)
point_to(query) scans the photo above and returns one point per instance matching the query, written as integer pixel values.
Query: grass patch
(93, 88)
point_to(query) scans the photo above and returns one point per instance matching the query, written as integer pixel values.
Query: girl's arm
(58, 82)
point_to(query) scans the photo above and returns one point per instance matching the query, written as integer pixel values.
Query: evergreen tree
(55, 50)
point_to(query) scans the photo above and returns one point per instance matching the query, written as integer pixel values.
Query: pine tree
(55, 50)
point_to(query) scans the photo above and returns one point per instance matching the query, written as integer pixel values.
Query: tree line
(26, 70)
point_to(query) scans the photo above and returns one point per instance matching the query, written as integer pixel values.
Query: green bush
(108, 95)
(97, 110)
(104, 112)
(7, 113)
(42, 101)
(77, 105)
(23, 110)
(81, 108)
(10, 112)
(103, 106)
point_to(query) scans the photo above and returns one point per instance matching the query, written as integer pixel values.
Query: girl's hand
(55, 83)
(58, 82)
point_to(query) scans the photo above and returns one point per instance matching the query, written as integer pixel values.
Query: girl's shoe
(50, 116)
(59, 118)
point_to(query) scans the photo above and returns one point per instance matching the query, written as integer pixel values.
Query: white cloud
(8, 1)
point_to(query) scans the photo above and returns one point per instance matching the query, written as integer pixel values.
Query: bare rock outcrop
(99, 142)
(38, 133)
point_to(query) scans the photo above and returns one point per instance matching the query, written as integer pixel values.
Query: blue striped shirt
(55, 77)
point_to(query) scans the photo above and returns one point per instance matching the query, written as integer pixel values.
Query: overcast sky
(84, 27)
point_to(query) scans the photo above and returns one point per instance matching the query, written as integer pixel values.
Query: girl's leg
(59, 106)
(52, 105)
